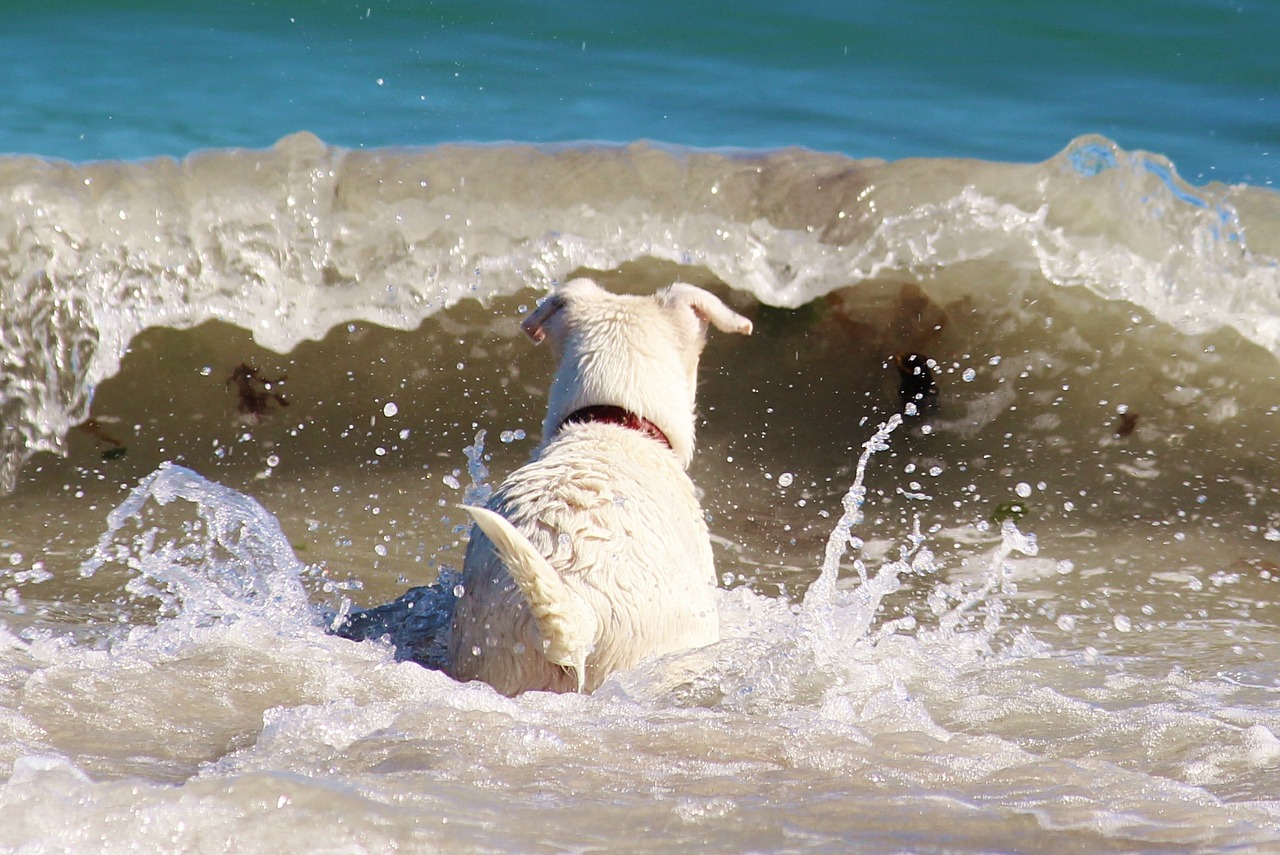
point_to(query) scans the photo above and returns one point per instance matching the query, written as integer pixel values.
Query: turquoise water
(1196, 80)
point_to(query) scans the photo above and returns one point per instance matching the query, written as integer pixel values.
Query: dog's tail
(566, 624)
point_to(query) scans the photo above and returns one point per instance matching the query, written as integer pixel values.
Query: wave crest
(290, 241)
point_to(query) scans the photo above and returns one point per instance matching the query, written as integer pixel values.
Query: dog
(595, 554)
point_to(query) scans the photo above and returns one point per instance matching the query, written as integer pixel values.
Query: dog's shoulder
(586, 465)
(599, 495)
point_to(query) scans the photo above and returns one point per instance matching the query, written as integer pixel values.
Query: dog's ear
(708, 308)
(533, 322)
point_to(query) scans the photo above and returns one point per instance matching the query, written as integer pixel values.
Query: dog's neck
(614, 415)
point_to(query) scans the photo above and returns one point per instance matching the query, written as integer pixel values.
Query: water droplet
(969, 375)
(273, 460)
(451, 481)
(1023, 489)
(1066, 623)
(785, 479)
(1122, 623)
(390, 409)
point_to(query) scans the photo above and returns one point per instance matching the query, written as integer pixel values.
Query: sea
(262, 268)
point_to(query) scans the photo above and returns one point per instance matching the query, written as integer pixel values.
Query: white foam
(289, 242)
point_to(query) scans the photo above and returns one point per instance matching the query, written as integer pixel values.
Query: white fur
(595, 554)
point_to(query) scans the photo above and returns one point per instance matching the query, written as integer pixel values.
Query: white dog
(595, 554)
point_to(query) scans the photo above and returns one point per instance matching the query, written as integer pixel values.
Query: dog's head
(639, 353)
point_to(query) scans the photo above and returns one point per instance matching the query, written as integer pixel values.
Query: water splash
(842, 619)
(835, 649)
(842, 538)
(228, 561)
(478, 491)
(417, 622)
(996, 578)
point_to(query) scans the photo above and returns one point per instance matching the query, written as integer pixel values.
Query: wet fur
(595, 554)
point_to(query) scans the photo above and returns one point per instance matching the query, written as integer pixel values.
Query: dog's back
(595, 554)
(616, 516)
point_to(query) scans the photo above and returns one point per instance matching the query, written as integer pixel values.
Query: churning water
(244, 392)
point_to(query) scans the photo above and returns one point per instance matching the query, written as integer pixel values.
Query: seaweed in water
(1127, 424)
(255, 392)
(94, 428)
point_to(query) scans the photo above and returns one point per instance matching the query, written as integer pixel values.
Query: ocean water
(262, 267)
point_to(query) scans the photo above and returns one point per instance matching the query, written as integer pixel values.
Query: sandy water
(1052, 627)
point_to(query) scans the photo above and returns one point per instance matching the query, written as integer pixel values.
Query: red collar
(614, 415)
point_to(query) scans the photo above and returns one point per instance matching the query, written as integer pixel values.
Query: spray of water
(851, 612)
(415, 624)
(478, 491)
(842, 537)
(228, 560)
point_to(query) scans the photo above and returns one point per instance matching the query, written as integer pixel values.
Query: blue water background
(1009, 80)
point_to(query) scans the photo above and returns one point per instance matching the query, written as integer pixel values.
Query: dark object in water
(915, 380)
(95, 429)
(1128, 423)
(416, 625)
(255, 391)
(1014, 509)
